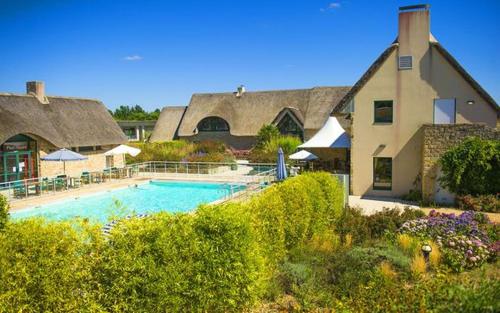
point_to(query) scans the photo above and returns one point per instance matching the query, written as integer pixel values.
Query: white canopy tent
(331, 135)
(303, 155)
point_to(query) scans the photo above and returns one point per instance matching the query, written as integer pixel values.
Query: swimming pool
(151, 197)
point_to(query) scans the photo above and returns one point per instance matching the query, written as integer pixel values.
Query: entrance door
(17, 165)
(444, 111)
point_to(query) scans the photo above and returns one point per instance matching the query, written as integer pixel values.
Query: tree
(266, 134)
(134, 113)
(473, 167)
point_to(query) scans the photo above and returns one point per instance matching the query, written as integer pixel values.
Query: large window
(383, 111)
(213, 124)
(288, 126)
(382, 173)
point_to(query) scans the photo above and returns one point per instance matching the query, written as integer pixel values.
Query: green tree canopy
(134, 113)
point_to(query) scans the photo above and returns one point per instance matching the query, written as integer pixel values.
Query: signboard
(15, 146)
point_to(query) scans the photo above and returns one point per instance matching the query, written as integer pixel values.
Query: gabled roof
(168, 123)
(247, 113)
(364, 78)
(381, 59)
(474, 84)
(65, 122)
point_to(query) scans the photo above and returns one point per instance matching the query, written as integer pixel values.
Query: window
(85, 149)
(405, 62)
(110, 161)
(213, 124)
(288, 126)
(382, 173)
(383, 112)
(130, 132)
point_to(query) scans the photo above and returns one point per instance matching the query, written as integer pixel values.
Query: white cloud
(132, 58)
(331, 6)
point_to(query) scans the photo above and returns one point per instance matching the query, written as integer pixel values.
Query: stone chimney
(37, 89)
(413, 33)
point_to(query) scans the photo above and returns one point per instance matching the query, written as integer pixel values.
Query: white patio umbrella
(303, 155)
(123, 149)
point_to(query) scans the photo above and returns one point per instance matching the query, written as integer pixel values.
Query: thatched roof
(64, 122)
(249, 112)
(168, 123)
(434, 43)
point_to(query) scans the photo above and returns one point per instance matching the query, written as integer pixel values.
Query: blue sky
(157, 53)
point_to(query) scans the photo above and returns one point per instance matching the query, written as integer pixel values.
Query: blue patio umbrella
(280, 166)
(64, 155)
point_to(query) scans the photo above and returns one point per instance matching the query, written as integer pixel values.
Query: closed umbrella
(63, 155)
(280, 166)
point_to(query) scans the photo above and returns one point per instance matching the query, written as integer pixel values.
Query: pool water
(151, 197)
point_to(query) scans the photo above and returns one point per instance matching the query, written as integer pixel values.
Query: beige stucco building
(33, 125)
(415, 82)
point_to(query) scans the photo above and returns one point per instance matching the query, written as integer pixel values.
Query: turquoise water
(151, 197)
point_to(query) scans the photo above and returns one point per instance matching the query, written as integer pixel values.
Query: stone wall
(96, 161)
(437, 139)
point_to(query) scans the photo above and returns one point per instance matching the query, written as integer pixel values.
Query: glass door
(17, 165)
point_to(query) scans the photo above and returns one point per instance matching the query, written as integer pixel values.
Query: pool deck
(95, 188)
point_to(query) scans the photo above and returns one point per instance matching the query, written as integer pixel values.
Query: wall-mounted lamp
(470, 102)
(382, 146)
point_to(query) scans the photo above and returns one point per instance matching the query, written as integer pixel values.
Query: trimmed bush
(4, 211)
(221, 259)
(47, 267)
(473, 167)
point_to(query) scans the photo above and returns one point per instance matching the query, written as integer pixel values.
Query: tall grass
(179, 150)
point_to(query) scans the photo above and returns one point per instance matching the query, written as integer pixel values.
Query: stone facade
(96, 161)
(437, 139)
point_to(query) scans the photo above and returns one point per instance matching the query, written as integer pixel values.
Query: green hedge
(221, 259)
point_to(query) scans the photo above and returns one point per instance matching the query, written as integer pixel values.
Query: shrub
(47, 267)
(4, 211)
(180, 150)
(373, 226)
(473, 167)
(265, 134)
(269, 150)
(464, 240)
(483, 203)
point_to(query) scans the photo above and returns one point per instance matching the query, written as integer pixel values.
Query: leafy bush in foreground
(465, 239)
(473, 167)
(4, 211)
(483, 203)
(221, 259)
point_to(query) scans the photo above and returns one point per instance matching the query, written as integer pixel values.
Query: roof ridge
(57, 97)
(269, 91)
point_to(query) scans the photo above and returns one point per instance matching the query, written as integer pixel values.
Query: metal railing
(33, 187)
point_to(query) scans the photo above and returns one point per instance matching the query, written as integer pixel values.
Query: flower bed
(467, 240)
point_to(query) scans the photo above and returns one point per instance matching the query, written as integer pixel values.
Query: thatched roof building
(244, 113)
(33, 125)
(168, 123)
(62, 121)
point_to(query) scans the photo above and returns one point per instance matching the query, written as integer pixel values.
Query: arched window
(288, 126)
(213, 124)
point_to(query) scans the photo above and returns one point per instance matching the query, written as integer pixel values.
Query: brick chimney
(37, 89)
(413, 32)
